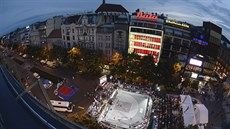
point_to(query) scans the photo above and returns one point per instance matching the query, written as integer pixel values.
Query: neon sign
(177, 23)
(201, 42)
(146, 16)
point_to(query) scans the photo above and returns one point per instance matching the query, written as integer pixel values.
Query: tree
(117, 58)
(22, 48)
(177, 67)
(148, 69)
(86, 120)
(58, 52)
(45, 53)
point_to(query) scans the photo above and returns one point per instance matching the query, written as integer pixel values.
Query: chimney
(103, 2)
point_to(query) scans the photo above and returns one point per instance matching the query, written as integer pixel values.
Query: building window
(168, 31)
(107, 52)
(68, 45)
(177, 40)
(186, 43)
(63, 37)
(107, 38)
(73, 38)
(107, 45)
(177, 33)
(67, 38)
(72, 30)
(63, 31)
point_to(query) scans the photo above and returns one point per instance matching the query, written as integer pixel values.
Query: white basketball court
(127, 110)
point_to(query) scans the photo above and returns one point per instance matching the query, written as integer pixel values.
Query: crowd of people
(103, 92)
(167, 111)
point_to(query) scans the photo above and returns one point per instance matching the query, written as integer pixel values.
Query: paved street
(79, 99)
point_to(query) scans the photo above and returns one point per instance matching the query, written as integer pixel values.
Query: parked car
(24, 56)
(43, 62)
(36, 75)
(51, 64)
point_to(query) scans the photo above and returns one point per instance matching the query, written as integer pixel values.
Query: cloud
(193, 11)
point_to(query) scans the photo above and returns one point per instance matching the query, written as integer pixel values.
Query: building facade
(80, 31)
(53, 23)
(177, 41)
(68, 31)
(146, 35)
(112, 29)
(38, 34)
(223, 65)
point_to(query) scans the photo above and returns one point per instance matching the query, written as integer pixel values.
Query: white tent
(201, 114)
(188, 110)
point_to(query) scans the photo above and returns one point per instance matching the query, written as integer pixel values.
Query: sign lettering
(177, 23)
(146, 16)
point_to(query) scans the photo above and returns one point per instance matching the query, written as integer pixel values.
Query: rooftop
(55, 34)
(111, 8)
(72, 19)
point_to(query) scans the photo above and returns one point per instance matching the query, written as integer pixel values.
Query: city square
(115, 65)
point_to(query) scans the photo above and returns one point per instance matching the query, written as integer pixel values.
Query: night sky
(19, 13)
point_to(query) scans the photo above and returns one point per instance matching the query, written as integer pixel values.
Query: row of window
(147, 24)
(147, 38)
(79, 31)
(178, 33)
(106, 37)
(146, 31)
(140, 44)
(107, 45)
(86, 38)
(208, 65)
(179, 41)
(193, 68)
(146, 52)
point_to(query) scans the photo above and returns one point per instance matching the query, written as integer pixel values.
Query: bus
(62, 106)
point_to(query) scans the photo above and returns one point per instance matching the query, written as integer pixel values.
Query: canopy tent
(201, 114)
(47, 83)
(188, 110)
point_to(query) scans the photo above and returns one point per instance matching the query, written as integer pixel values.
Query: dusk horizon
(29, 12)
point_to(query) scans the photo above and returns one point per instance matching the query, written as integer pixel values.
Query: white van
(62, 106)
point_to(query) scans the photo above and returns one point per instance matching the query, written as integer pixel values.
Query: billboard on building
(195, 62)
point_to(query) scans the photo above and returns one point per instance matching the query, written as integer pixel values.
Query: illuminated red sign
(146, 16)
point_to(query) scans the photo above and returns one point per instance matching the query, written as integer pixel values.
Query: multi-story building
(38, 34)
(112, 29)
(84, 33)
(81, 32)
(106, 29)
(203, 51)
(223, 65)
(68, 31)
(53, 23)
(146, 35)
(212, 34)
(177, 41)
